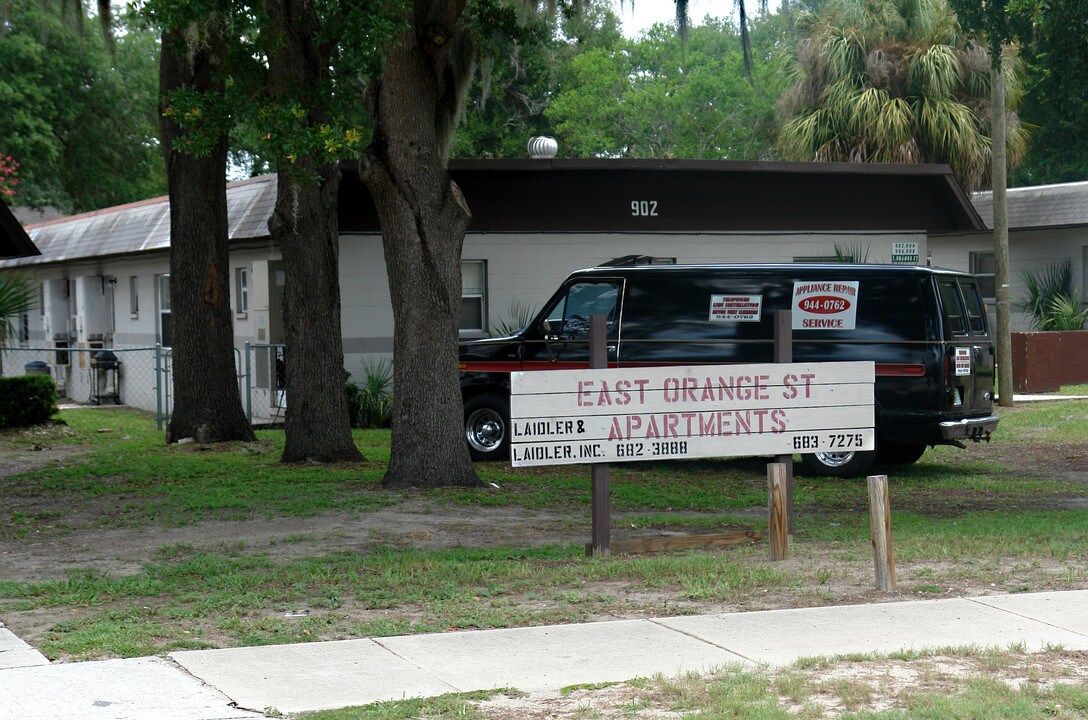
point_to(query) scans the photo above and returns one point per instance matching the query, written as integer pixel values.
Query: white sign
(904, 253)
(735, 308)
(562, 417)
(825, 305)
(963, 361)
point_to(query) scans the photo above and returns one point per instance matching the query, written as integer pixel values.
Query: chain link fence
(142, 377)
(136, 377)
(264, 392)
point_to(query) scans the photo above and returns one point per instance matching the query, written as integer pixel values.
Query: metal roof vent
(543, 147)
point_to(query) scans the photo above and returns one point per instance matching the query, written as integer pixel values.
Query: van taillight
(900, 369)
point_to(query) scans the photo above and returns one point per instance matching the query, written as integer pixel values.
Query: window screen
(473, 296)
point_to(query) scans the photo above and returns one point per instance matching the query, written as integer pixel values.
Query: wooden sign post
(601, 545)
(880, 522)
(783, 353)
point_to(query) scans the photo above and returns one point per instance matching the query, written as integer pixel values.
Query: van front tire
(487, 427)
(840, 464)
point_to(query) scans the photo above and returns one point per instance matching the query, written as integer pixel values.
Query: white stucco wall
(1029, 251)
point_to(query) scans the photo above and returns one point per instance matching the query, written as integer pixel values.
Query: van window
(976, 311)
(952, 307)
(570, 316)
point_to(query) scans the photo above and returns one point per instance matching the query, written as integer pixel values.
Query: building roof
(598, 195)
(145, 225)
(1039, 206)
(14, 242)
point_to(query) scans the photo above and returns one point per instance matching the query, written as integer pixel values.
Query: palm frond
(18, 295)
(894, 126)
(838, 104)
(842, 59)
(866, 108)
(934, 72)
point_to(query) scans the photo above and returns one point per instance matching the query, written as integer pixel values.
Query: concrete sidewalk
(245, 682)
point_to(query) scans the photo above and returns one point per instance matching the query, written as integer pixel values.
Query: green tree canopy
(81, 123)
(657, 97)
(1056, 104)
(518, 73)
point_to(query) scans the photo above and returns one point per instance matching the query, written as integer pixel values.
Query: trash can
(37, 367)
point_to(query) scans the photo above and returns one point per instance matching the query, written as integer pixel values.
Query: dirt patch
(831, 690)
(124, 551)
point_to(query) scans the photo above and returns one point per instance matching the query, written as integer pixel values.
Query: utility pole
(1001, 230)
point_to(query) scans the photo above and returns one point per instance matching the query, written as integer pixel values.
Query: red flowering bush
(8, 180)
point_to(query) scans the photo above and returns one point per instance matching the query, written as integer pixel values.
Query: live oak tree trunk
(304, 226)
(207, 404)
(423, 216)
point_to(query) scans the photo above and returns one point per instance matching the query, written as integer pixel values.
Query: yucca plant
(852, 252)
(16, 297)
(1067, 312)
(1051, 300)
(370, 405)
(518, 315)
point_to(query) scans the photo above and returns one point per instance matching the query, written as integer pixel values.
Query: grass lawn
(123, 546)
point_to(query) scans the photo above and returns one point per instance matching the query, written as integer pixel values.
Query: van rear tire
(841, 464)
(487, 427)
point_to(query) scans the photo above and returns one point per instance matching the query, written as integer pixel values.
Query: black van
(924, 328)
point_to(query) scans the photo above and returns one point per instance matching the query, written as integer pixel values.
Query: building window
(166, 320)
(24, 328)
(982, 265)
(133, 296)
(473, 297)
(241, 291)
(1084, 270)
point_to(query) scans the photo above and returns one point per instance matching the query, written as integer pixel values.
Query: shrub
(27, 400)
(371, 405)
(1051, 300)
(1067, 312)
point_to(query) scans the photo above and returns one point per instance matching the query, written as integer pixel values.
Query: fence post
(158, 386)
(249, 386)
(880, 521)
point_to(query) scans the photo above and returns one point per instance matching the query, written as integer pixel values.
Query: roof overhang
(14, 242)
(636, 195)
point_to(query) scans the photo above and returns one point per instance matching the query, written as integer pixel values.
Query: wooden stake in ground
(880, 521)
(778, 523)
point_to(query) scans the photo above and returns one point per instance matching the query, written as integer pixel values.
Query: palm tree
(895, 81)
(16, 297)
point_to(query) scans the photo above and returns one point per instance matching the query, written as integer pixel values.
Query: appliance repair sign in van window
(825, 305)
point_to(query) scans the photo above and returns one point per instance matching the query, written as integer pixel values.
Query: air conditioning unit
(60, 350)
